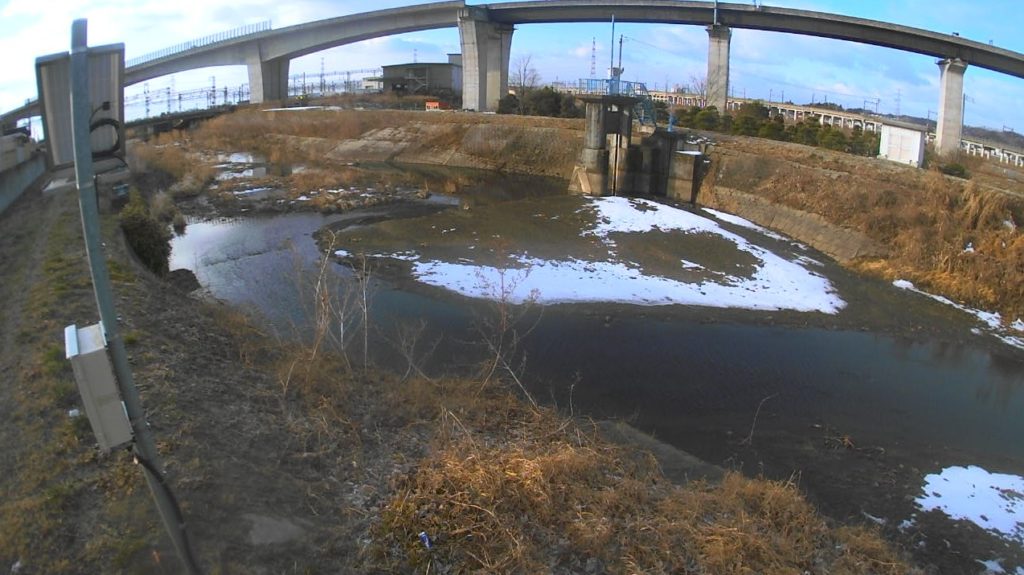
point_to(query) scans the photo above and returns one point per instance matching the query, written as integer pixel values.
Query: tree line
(753, 119)
(544, 101)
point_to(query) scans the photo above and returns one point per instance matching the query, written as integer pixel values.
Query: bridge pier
(949, 126)
(268, 80)
(485, 53)
(717, 88)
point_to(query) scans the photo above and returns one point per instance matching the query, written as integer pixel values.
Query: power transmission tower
(593, 57)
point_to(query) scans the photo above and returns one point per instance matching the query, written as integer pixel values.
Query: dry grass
(168, 155)
(535, 493)
(60, 486)
(505, 487)
(308, 137)
(927, 220)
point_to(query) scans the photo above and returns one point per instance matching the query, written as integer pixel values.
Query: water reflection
(684, 379)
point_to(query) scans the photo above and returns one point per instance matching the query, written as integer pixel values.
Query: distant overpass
(486, 35)
(844, 120)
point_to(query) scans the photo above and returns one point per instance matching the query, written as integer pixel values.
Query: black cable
(105, 106)
(109, 152)
(178, 517)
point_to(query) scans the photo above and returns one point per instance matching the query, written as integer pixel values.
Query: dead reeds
(949, 236)
(553, 497)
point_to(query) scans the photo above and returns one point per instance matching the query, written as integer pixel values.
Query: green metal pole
(145, 446)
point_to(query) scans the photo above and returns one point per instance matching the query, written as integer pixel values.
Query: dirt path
(22, 243)
(260, 481)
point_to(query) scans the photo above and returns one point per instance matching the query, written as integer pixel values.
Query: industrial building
(424, 77)
(902, 142)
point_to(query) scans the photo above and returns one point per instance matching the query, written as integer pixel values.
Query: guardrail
(644, 108)
(200, 42)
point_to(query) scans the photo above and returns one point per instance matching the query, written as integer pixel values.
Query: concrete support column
(948, 130)
(268, 80)
(485, 54)
(718, 67)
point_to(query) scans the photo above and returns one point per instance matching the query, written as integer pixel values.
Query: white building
(903, 143)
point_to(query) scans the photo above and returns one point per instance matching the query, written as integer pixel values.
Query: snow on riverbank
(736, 220)
(992, 501)
(776, 283)
(992, 320)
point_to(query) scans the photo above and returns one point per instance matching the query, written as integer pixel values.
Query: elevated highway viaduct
(486, 33)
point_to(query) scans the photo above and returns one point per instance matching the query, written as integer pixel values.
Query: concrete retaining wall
(843, 244)
(14, 181)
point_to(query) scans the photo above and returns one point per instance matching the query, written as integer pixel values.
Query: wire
(112, 150)
(178, 517)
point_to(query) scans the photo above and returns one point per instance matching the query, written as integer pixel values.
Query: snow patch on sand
(775, 284)
(992, 320)
(743, 223)
(992, 501)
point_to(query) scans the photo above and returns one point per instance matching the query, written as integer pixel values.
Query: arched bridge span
(486, 34)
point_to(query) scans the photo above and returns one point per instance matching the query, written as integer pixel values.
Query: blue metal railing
(644, 109)
(200, 42)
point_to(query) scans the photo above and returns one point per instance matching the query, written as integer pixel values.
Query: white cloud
(657, 54)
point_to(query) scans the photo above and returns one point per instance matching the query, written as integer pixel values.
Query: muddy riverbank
(864, 399)
(862, 403)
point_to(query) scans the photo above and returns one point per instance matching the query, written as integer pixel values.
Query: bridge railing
(644, 109)
(200, 42)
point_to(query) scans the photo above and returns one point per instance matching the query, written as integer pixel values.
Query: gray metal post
(144, 444)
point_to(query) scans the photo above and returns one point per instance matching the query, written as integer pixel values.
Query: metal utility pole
(145, 447)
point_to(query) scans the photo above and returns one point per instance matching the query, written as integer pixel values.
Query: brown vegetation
(247, 425)
(950, 236)
(309, 137)
(555, 498)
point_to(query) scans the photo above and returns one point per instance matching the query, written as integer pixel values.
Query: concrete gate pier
(663, 164)
(602, 169)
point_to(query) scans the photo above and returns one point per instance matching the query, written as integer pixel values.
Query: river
(860, 402)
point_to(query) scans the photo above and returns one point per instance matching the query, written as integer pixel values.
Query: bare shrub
(162, 207)
(505, 325)
(148, 237)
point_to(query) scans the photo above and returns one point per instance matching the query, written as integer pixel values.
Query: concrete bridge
(486, 36)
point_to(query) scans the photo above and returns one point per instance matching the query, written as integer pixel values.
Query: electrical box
(87, 350)
(106, 95)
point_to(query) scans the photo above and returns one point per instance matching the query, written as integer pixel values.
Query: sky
(764, 65)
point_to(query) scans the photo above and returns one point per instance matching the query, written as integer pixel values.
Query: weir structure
(486, 35)
(611, 165)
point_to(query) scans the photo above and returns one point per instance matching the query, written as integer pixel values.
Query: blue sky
(764, 64)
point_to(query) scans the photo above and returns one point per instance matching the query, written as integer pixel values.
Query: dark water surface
(909, 404)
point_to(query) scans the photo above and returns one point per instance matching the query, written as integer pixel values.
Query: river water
(862, 405)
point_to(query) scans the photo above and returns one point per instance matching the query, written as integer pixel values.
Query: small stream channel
(862, 405)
